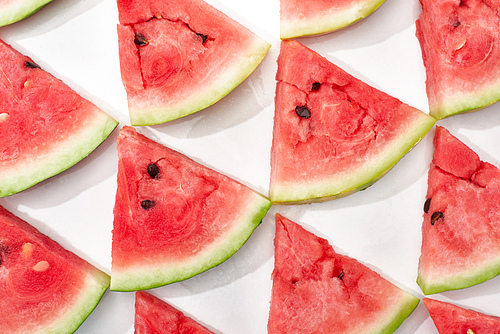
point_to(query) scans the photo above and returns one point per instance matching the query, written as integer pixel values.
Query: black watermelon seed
(427, 205)
(303, 111)
(30, 64)
(203, 37)
(316, 86)
(436, 216)
(140, 39)
(147, 204)
(341, 276)
(153, 170)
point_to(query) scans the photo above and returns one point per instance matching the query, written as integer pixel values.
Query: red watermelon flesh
(301, 18)
(174, 217)
(453, 319)
(461, 225)
(153, 315)
(461, 53)
(316, 290)
(178, 57)
(45, 126)
(44, 288)
(333, 134)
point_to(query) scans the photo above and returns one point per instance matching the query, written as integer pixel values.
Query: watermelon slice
(178, 57)
(453, 319)
(460, 45)
(316, 290)
(44, 288)
(15, 10)
(301, 18)
(45, 127)
(174, 218)
(153, 315)
(461, 225)
(333, 134)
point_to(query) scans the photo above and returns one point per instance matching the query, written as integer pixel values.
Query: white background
(76, 41)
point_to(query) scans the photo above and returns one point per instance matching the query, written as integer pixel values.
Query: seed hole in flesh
(203, 37)
(427, 205)
(315, 86)
(436, 216)
(303, 111)
(30, 64)
(153, 170)
(147, 204)
(140, 39)
(341, 276)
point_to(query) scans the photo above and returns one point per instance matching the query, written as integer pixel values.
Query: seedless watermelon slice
(461, 222)
(44, 288)
(301, 18)
(174, 218)
(153, 315)
(45, 126)
(178, 57)
(316, 290)
(333, 134)
(460, 44)
(14, 10)
(450, 318)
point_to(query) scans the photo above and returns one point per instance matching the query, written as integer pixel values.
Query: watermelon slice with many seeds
(15, 10)
(178, 57)
(316, 290)
(301, 18)
(174, 218)
(460, 44)
(461, 221)
(44, 288)
(333, 134)
(153, 315)
(45, 126)
(453, 319)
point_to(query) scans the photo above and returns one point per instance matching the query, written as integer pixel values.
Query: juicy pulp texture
(153, 315)
(178, 57)
(302, 18)
(352, 136)
(316, 290)
(14, 10)
(461, 228)
(450, 318)
(195, 218)
(45, 126)
(43, 287)
(461, 54)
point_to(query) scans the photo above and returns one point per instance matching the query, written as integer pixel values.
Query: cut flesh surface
(461, 225)
(178, 221)
(178, 57)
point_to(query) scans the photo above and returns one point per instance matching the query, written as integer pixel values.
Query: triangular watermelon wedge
(460, 45)
(178, 57)
(449, 318)
(461, 221)
(44, 288)
(153, 315)
(302, 18)
(174, 218)
(45, 126)
(333, 134)
(316, 290)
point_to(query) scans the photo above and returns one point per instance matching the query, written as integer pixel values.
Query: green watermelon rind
(91, 295)
(481, 273)
(18, 10)
(350, 182)
(407, 304)
(24, 175)
(233, 76)
(147, 277)
(465, 102)
(327, 22)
